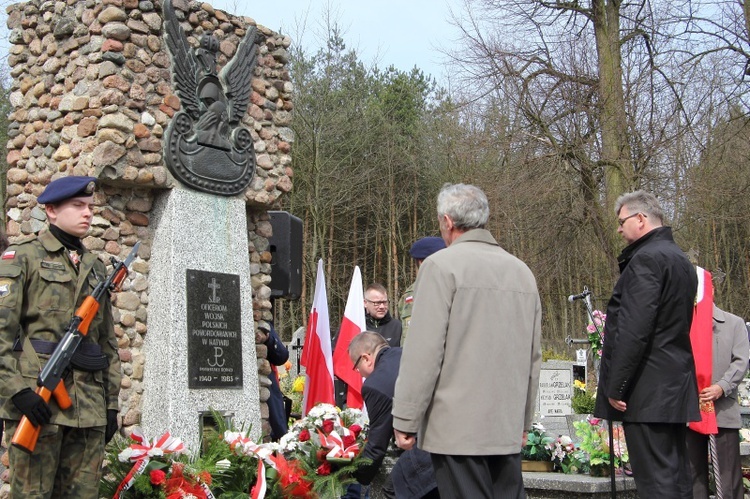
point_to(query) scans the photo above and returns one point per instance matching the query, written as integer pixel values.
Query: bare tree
(561, 66)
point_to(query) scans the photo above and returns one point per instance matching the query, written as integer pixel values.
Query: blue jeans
(354, 491)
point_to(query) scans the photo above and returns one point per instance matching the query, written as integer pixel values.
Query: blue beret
(67, 187)
(425, 247)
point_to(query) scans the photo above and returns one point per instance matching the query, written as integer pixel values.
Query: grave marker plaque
(214, 330)
(555, 389)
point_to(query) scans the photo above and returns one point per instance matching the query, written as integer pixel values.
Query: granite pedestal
(199, 235)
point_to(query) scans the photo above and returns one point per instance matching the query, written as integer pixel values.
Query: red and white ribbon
(141, 453)
(336, 443)
(259, 491)
(243, 445)
(207, 491)
(166, 444)
(130, 478)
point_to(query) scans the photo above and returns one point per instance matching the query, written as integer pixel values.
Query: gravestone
(555, 388)
(201, 343)
(553, 398)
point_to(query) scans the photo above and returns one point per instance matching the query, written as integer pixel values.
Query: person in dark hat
(277, 355)
(419, 251)
(43, 280)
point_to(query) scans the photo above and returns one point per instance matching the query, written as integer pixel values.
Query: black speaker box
(286, 255)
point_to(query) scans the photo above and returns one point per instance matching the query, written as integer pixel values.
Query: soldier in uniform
(419, 251)
(43, 280)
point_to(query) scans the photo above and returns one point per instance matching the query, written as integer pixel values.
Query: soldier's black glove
(32, 406)
(111, 425)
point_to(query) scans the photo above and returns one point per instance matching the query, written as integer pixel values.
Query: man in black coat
(412, 476)
(377, 316)
(647, 376)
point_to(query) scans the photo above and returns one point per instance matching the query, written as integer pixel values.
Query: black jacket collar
(658, 234)
(378, 322)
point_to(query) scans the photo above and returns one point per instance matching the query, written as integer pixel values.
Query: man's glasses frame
(623, 220)
(377, 303)
(359, 359)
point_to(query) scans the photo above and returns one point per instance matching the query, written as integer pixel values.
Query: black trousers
(730, 467)
(479, 477)
(658, 456)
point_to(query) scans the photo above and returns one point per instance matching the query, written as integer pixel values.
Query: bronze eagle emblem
(207, 147)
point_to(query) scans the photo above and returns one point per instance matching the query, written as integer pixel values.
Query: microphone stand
(589, 309)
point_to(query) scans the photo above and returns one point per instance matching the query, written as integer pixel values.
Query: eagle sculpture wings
(207, 147)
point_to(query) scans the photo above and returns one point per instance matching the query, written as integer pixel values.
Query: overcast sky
(403, 33)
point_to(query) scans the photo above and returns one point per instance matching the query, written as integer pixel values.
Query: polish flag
(316, 354)
(352, 324)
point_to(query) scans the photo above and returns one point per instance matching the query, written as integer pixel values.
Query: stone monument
(92, 94)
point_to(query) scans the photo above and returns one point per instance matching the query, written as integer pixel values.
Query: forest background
(554, 108)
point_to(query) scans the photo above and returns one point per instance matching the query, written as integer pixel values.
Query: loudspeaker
(286, 255)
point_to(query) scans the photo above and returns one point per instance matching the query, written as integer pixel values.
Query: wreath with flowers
(315, 459)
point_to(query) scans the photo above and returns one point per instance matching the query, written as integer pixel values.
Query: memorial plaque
(555, 391)
(214, 330)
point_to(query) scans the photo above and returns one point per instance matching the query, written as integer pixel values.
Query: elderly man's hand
(404, 440)
(711, 393)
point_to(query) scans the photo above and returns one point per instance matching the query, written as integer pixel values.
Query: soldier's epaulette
(26, 238)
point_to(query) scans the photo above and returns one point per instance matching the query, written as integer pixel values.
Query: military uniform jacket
(40, 289)
(404, 311)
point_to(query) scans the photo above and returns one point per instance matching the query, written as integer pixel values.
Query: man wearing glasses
(647, 375)
(377, 316)
(412, 476)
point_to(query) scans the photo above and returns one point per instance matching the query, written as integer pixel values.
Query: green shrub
(582, 402)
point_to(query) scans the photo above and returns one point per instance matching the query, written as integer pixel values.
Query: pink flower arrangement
(595, 330)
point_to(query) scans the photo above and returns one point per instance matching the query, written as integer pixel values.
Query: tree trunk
(616, 155)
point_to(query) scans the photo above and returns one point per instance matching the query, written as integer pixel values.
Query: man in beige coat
(470, 366)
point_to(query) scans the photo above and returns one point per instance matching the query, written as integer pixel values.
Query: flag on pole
(316, 353)
(701, 338)
(352, 324)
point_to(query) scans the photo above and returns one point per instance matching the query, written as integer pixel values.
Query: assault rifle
(50, 381)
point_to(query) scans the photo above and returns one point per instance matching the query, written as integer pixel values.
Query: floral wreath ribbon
(242, 444)
(336, 443)
(141, 453)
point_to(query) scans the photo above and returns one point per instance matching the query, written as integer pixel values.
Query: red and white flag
(701, 339)
(352, 324)
(316, 354)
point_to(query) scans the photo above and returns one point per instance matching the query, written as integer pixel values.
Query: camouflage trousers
(66, 463)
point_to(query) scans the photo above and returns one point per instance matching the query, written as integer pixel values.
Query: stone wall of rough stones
(92, 95)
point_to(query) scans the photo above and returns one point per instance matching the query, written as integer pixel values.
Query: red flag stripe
(701, 339)
(316, 354)
(352, 324)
